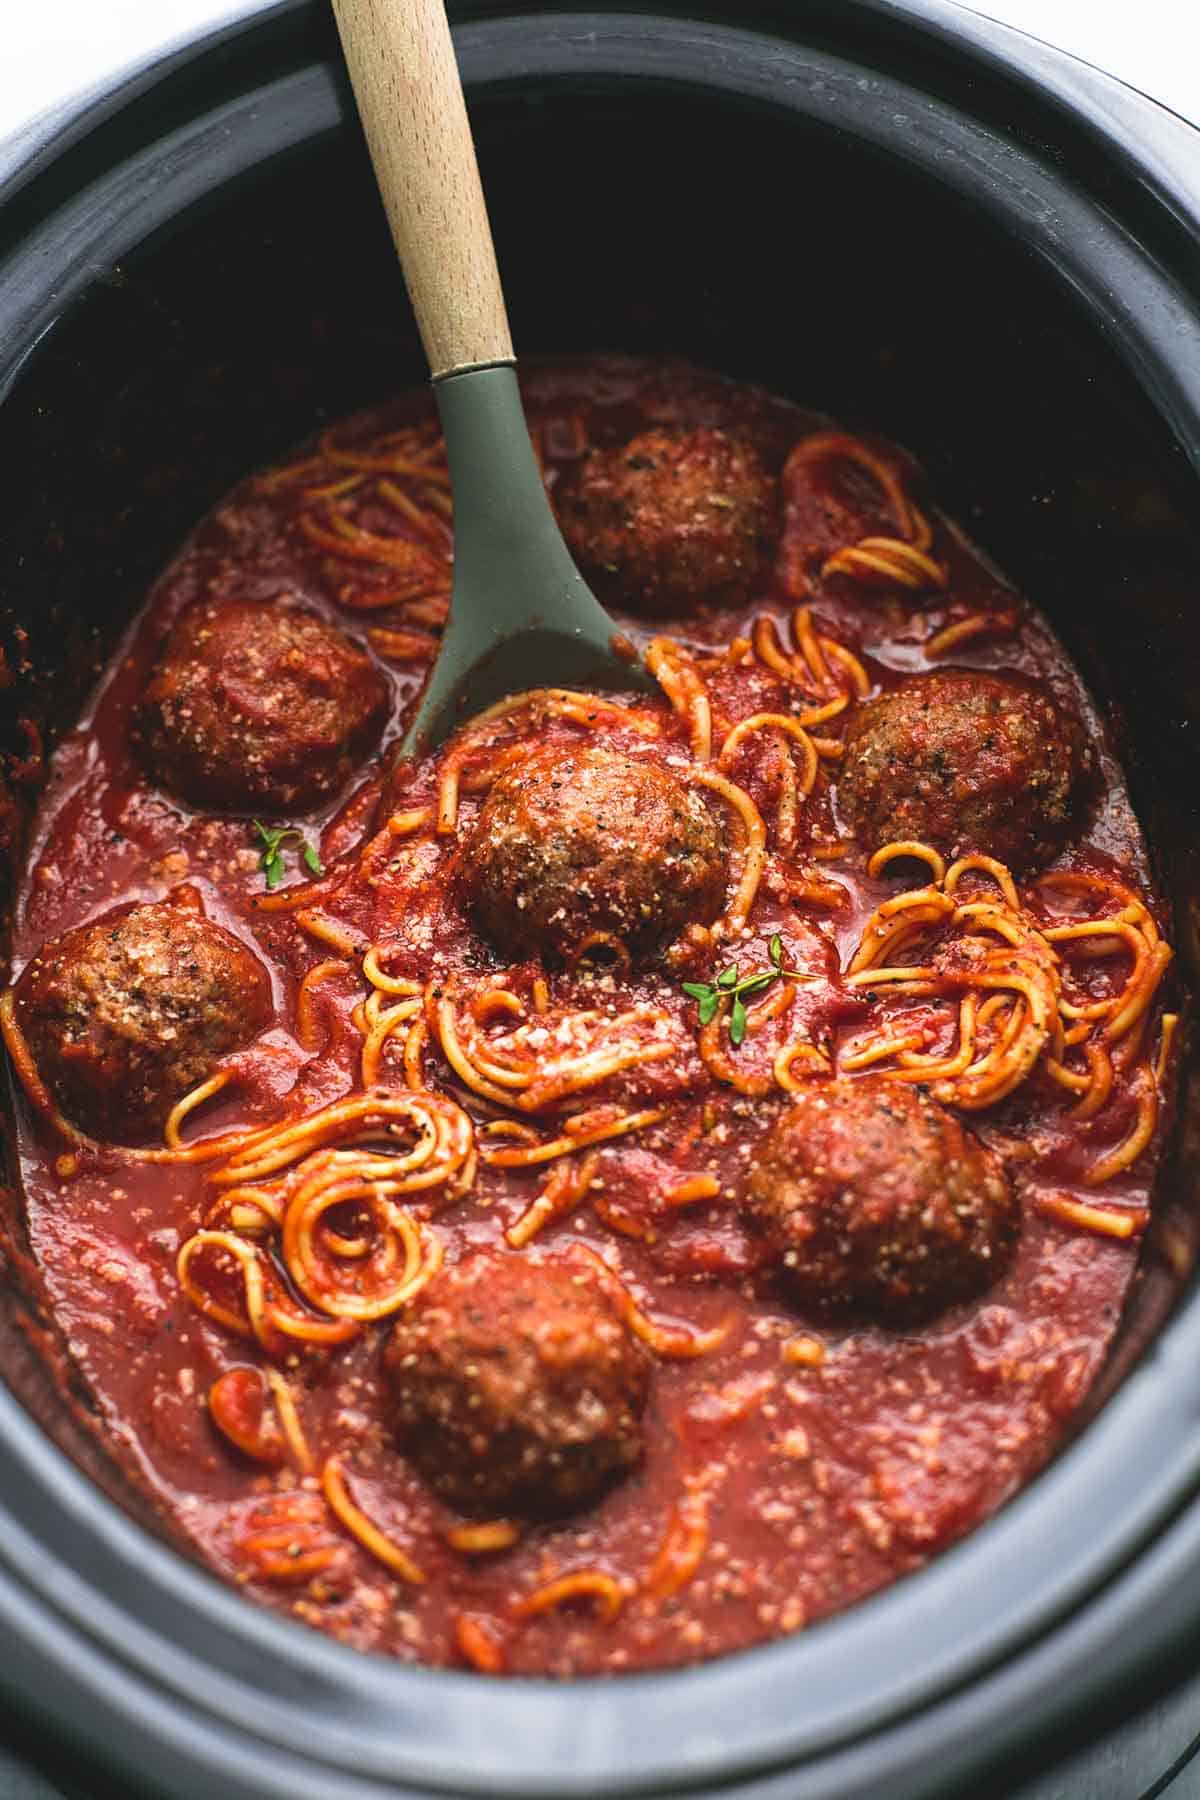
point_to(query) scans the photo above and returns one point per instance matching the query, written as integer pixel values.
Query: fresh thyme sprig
(729, 985)
(271, 861)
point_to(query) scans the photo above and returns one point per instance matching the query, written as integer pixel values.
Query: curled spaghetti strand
(328, 1191)
(566, 1187)
(1105, 1221)
(596, 1127)
(441, 1137)
(886, 561)
(840, 446)
(478, 1644)
(965, 631)
(288, 1539)
(1009, 970)
(682, 1549)
(484, 1539)
(672, 1342)
(684, 687)
(356, 1522)
(754, 849)
(798, 782)
(516, 1073)
(806, 1058)
(604, 1592)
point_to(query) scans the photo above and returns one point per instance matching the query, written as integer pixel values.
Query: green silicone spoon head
(521, 615)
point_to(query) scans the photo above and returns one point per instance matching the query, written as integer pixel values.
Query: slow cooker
(886, 209)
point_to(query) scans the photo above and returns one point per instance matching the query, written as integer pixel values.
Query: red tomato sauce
(805, 1459)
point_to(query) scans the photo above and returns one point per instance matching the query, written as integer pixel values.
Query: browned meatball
(258, 705)
(872, 1197)
(126, 1015)
(575, 840)
(964, 761)
(517, 1386)
(671, 518)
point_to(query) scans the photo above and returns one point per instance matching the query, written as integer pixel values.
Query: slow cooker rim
(27, 1442)
(1107, 111)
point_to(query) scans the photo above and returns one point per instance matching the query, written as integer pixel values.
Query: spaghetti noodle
(594, 1585)
(356, 1522)
(1018, 1009)
(682, 1549)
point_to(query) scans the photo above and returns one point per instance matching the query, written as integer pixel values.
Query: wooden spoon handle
(410, 98)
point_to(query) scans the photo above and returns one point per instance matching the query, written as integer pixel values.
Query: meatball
(126, 1015)
(671, 518)
(576, 840)
(517, 1386)
(964, 761)
(871, 1197)
(258, 705)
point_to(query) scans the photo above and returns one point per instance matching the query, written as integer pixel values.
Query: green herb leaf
(271, 861)
(709, 995)
(707, 998)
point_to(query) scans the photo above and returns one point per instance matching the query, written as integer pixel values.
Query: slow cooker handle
(402, 64)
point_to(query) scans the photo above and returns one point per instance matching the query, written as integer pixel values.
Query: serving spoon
(521, 615)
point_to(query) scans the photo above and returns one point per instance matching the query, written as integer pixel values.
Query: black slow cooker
(923, 223)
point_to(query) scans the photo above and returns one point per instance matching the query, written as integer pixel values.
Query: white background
(53, 49)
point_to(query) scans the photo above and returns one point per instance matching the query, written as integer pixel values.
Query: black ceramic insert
(891, 211)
